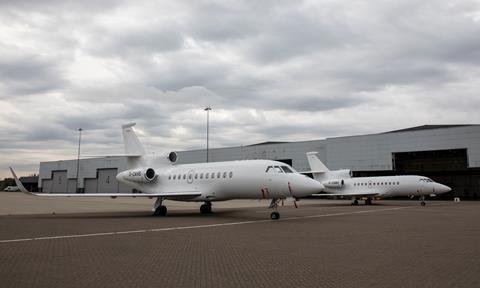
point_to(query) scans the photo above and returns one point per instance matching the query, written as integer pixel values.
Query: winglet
(19, 184)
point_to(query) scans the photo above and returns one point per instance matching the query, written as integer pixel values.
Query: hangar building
(449, 154)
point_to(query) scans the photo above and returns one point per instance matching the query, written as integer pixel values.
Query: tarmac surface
(321, 244)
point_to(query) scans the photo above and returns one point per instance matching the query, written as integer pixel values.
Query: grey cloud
(58, 5)
(29, 75)
(135, 42)
(257, 63)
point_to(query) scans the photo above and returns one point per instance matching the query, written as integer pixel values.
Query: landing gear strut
(158, 208)
(273, 205)
(354, 201)
(422, 200)
(206, 208)
(368, 201)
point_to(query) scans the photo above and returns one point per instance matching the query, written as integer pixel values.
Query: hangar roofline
(411, 129)
(429, 127)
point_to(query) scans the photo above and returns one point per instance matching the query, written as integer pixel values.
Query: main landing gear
(206, 208)
(158, 208)
(368, 201)
(273, 205)
(354, 201)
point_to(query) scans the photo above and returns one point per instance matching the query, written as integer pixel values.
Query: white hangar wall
(358, 153)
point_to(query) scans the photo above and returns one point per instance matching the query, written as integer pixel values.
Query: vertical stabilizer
(133, 147)
(315, 164)
(318, 169)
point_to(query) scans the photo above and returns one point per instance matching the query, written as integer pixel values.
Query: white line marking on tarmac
(198, 226)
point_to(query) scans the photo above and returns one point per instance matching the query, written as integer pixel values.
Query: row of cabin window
(376, 183)
(197, 176)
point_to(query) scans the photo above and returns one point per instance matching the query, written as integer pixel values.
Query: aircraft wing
(345, 194)
(163, 194)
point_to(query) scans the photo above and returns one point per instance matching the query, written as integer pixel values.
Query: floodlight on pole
(78, 156)
(208, 109)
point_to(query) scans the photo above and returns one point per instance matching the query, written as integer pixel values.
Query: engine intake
(173, 157)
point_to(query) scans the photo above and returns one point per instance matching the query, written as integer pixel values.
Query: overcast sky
(271, 70)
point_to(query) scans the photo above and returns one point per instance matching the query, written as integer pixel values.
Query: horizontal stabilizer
(311, 172)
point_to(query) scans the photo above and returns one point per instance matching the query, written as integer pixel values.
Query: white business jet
(204, 182)
(340, 183)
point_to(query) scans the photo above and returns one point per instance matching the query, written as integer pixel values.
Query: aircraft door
(190, 175)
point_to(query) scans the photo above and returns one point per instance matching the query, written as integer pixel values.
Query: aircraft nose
(307, 187)
(440, 188)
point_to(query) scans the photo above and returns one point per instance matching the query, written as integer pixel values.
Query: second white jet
(340, 183)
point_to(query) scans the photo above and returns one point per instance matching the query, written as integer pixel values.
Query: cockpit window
(274, 169)
(277, 169)
(286, 169)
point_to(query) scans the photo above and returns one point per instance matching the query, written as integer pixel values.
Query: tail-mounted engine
(337, 183)
(141, 175)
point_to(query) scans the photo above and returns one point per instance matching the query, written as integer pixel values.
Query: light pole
(78, 156)
(208, 109)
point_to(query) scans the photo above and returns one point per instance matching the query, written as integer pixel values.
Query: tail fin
(318, 169)
(133, 147)
(315, 164)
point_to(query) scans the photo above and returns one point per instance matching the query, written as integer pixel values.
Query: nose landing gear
(422, 200)
(274, 205)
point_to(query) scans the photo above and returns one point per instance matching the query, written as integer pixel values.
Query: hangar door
(90, 185)
(429, 161)
(59, 182)
(107, 181)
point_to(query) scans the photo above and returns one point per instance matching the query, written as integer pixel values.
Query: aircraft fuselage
(218, 181)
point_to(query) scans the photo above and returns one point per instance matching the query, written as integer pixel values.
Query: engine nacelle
(141, 175)
(172, 157)
(337, 183)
